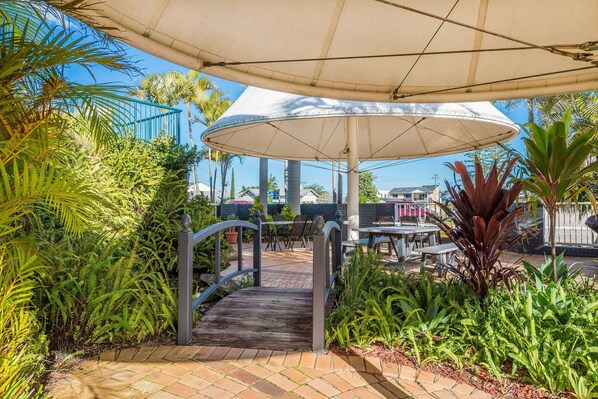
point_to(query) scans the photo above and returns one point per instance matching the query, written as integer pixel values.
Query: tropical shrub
(540, 333)
(99, 291)
(557, 168)
(480, 221)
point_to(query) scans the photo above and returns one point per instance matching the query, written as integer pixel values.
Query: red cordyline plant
(482, 219)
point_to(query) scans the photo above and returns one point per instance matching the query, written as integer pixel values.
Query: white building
(426, 193)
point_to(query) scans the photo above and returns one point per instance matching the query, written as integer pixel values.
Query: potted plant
(232, 235)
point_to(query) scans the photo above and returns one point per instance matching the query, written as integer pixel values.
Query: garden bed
(475, 376)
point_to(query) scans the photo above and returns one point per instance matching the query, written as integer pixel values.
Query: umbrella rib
(299, 140)
(396, 162)
(396, 90)
(208, 64)
(551, 49)
(446, 135)
(396, 97)
(395, 138)
(331, 134)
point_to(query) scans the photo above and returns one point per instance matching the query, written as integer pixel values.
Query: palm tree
(191, 88)
(157, 89)
(39, 105)
(171, 87)
(211, 109)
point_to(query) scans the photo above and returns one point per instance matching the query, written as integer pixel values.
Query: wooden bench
(352, 244)
(444, 254)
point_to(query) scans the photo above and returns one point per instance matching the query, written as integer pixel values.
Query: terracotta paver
(157, 377)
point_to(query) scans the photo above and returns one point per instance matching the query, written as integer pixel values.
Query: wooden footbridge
(286, 307)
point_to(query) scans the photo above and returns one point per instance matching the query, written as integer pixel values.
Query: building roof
(406, 190)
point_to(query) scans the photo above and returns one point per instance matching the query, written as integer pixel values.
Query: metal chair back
(298, 226)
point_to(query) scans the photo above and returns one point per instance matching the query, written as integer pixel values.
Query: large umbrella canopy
(271, 124)
(375, 50)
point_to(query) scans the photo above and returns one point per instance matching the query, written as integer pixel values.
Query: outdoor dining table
(398, 236)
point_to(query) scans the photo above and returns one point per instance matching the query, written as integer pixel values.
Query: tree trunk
(195, 176)
(530, 110)
(552, 235)
(223, 173)
(212, 184)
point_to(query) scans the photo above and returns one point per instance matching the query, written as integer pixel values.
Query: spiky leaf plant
(481, 220)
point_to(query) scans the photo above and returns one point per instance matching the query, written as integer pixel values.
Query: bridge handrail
(187, 240)
(324, 273)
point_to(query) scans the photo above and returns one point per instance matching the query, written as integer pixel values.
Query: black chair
(296, 232)
(270, 235)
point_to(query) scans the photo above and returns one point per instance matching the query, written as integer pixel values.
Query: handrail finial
(319, 225)
(186, 223)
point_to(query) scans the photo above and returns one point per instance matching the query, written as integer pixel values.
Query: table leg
(401, 248)
(370, 242)
(432, 239)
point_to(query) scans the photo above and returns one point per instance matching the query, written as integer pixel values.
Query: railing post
(185, 319)
(337, 257)
(240, 248)
(217, 259)
(319, 286)
(257, 251)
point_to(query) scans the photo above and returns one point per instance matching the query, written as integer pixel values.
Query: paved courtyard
(171, 372)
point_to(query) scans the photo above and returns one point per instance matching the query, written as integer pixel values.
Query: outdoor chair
(270, 235)
(297, 232)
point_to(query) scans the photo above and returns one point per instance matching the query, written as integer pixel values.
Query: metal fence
(570, 225)
(147, 120)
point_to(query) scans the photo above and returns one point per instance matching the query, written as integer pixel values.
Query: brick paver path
(173, 372)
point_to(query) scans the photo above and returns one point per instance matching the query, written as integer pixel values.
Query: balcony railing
(147, 120)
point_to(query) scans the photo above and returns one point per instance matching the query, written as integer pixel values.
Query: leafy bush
(542, 333)
(287, 213)
(22, 343)
(118, 279)
(98, 292)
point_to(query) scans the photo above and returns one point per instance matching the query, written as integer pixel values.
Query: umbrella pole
(264, 184)
(352, 178)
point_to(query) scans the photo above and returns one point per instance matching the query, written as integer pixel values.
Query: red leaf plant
(481, 221)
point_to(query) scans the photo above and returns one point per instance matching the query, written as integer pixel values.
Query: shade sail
(370, 49)
(272, 124)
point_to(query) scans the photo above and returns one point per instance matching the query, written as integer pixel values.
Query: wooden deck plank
(261, 318)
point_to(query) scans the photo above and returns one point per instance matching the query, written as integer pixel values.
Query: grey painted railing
(187, 240)
(327, 260)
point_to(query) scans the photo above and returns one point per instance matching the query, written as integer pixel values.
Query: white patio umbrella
(270, 124)
(374, 50)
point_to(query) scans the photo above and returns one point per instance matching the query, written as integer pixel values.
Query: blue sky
(411, 173)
